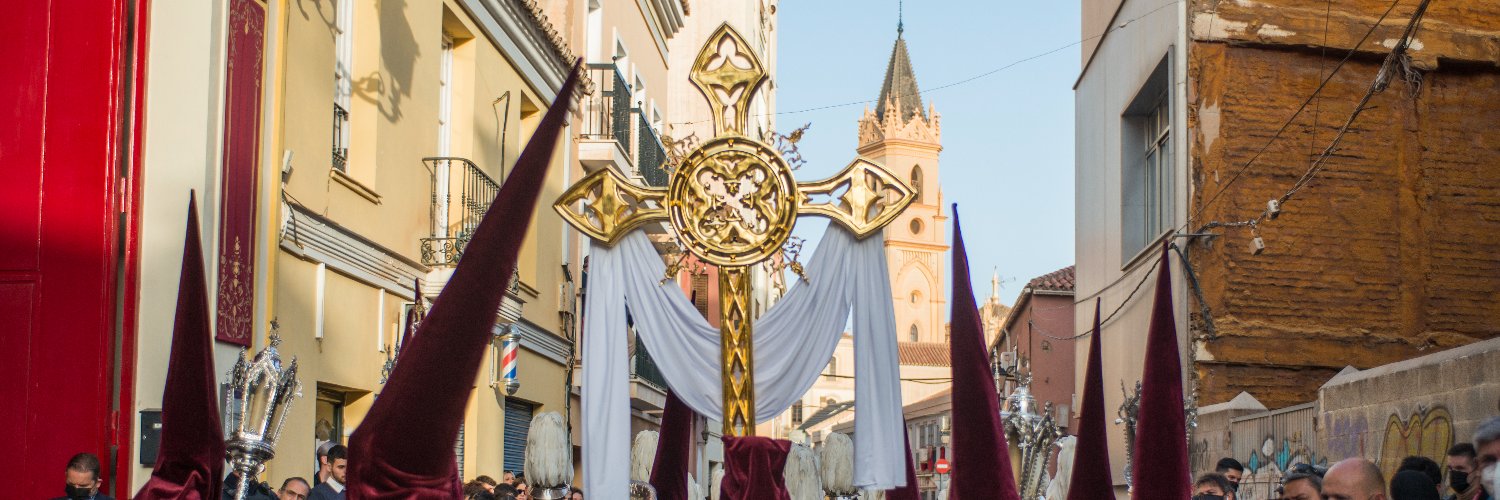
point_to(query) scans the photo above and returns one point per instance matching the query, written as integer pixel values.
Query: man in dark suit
(83, 479)
(333, 488)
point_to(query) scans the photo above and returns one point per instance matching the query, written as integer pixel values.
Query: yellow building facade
(384, 130)
(396, 123)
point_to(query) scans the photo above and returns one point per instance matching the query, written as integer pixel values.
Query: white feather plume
(692, 489)
(1058, 487)
(549, 457)
(801, 472)
(838, 463)
(643, 455)
(716, 478)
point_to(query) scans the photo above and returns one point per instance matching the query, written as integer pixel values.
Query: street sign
(942, 466)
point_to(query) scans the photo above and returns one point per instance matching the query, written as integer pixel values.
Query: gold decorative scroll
(728, 74)
(863, 198)
(611, 205)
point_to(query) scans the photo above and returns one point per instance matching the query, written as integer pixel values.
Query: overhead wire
(1287, 124)
(979, 76)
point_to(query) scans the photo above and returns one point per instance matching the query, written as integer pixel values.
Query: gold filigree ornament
(733, 202)
(728, 74)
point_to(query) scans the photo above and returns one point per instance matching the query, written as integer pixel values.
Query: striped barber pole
(508, 355)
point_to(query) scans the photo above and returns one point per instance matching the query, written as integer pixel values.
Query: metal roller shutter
(517, 426)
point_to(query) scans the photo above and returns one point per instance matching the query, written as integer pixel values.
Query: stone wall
(1420, 406)
(1416, 407)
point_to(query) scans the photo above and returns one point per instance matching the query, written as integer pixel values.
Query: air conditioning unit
(1007, 360)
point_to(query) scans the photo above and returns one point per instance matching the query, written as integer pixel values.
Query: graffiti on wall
(1427, 432)
(1264, 467)
(1346, 435)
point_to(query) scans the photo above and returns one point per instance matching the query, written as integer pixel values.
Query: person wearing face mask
(83, 479)
(1232, 470)
(1461, 473)
(1487, 454)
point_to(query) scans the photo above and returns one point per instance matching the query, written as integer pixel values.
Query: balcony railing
(461, 194)
(644, 367)
(340, 138)
(606, 114)
(651, 155)
(607, 117)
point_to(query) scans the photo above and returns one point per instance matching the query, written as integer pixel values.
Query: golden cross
(732, 202)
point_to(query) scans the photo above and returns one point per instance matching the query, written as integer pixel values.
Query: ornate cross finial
(732, 202)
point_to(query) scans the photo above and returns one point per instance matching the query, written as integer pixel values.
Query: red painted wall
(65, 150)
(1052, 360)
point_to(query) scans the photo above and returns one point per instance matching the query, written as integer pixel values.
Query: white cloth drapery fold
(792, 344)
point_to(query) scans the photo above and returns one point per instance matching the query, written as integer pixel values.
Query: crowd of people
(1473, 473)
(511, 486)
(1471, 469)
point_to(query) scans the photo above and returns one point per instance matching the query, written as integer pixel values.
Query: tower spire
(900, 13)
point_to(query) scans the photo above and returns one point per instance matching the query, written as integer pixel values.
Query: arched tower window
(914, 334)
(916, 182)
(833, 368)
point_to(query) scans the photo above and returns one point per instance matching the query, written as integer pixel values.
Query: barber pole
(509, 354)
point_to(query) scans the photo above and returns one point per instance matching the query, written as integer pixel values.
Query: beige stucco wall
(1121, 65)
(384, 199)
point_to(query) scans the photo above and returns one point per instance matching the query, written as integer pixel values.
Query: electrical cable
(969, 79)
(1248, 163)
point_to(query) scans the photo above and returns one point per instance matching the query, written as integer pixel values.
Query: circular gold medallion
(732, 201)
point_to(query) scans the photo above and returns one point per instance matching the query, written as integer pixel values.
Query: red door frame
(123, 419)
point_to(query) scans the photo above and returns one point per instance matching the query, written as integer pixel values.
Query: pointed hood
(900, 84)
(670, 470)
(981, 467)
(190, 461)
(404, 446)
(1092, 477)
(1161, 458)
(908, 492)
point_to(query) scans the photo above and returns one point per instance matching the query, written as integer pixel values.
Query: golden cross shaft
(732, 202)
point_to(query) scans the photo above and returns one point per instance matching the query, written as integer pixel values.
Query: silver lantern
(256, 405)
(1034, 434)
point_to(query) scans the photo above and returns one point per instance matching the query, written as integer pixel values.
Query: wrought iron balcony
(461, 194)
(340, 138)
(612, 137)
(606, 113)
(644, 368)
(651, 155)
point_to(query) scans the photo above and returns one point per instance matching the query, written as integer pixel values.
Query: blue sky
(1007, 137)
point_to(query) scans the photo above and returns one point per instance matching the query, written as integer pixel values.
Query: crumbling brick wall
(1394, 250)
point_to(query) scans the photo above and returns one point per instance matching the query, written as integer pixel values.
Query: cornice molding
(528, 40)
(313, 237)
(540, 341)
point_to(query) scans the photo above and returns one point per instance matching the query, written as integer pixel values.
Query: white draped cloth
(793, 342)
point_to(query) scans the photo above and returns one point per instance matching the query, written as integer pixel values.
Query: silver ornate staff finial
(1034, 434)
(256, 405)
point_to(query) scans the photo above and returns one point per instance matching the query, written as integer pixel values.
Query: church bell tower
(906, 138)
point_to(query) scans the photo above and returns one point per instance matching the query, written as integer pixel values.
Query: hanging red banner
(236, 294)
